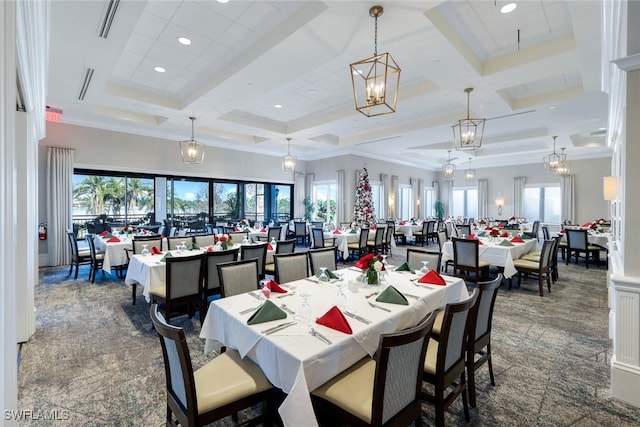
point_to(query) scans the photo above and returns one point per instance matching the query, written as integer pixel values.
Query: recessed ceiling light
(223, 1)
(312, 91)
(159, 69)
(185, 41)
(508, 8)
(552, 108)
(277, 106)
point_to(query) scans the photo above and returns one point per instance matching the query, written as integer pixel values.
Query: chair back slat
(184, 276)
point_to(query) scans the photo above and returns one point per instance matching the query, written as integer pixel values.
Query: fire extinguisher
(42, 231)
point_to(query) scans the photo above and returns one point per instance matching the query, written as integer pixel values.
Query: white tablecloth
(297, 362)
(149, 271)
(494, 254)
(114, 252)
(408, 230)
(600, 239)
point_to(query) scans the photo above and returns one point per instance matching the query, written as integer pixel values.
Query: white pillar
(8, 213)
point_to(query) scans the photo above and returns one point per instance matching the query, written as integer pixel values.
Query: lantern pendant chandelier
(552, 161)
(449, 169)
(375, 80)
(288, 161)
(192, 151)
(469, 174)
(468, 133)
(564, 167)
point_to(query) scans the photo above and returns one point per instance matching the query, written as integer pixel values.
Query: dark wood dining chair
(379, 391)
(578, 245)
(479, 339)
(466, 260)
(220, 388)
(78, 256)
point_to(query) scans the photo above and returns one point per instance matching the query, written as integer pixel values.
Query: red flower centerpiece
(224, 240)
(372, 266)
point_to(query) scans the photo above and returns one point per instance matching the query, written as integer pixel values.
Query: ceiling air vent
(86, 80)
(107, 18)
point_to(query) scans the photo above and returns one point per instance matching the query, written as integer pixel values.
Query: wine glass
(145, 250)
(265, 291)
(425, 268)
(324, 277)
(303, 315)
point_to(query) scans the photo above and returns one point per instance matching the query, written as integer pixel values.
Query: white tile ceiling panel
(232, 10)
(217, 53)
(127, 65)
(171, 33)
(164, 9)
(150, 25)
(171, 56)
(201, 20)
(139, 44)
(238, 37)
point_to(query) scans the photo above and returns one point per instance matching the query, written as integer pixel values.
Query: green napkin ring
(393, 296)
(267, 312)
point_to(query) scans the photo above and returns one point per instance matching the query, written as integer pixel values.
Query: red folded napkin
(401, 223)
(504, 234)
(273, 285)
(563, 231)
(488, 228)
(264, 230)
(114, 239)
(155, 251)
(432, 278)
(269, 247)
(471, 236)
(586, 225)
(336, 232)
(334, 319)
(517, 239)
(104, 233)
(480, 242)
(501, 225)
(372, 228)
(237, 229)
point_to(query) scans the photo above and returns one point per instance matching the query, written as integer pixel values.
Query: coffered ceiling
(535, 74)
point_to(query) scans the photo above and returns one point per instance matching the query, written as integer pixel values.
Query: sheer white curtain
(447, 196)
(483, 199)
(32, 48)
(394, 194)
(518, 194)
(384, 189)
(340, 196)
(298, 190)
(59, 203)
(567, 192)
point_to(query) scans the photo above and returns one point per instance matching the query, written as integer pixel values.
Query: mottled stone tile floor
(95, 357)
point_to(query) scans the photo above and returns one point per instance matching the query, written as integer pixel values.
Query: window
(465, 202)
(406, 202)
(542, 203)
(254, 202)
(324, 198)
(282, 203)
(427, 203)
(225, 201)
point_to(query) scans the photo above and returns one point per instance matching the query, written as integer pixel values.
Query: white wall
(590, 203)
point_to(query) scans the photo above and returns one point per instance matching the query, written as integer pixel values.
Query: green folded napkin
(192, 246)
(167, 255)
(353, 231)
(406, 267)
(393, 296)
(505, 242)
(526, 236)
(483, 234)
(108, 236)
(330, 273)
(267, 312)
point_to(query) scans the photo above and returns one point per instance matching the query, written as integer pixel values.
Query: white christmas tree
(363, 211)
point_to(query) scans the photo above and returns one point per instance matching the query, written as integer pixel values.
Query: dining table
(304, 354)
(594, 238)
(150, 270)
(495, 253)
(408, 228)
(114, 251)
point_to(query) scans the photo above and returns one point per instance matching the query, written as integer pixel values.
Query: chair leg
(465, 403)
(540, 287)
(488, 356)
(77, 268)
(133, 292)
(471, 374)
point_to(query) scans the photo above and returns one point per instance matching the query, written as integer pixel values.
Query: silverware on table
(358, 318)
(256, 296)
(372, 294)
(318, 335)
(288, 294)
(378, 307)
(287, 309)
(249, 310)
(410, 295)
(278, 328)
(309, 279)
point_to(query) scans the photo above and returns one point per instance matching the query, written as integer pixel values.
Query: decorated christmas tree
(363, 212)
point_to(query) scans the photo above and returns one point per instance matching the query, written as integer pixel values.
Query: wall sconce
(500, 204)
(610, 187)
